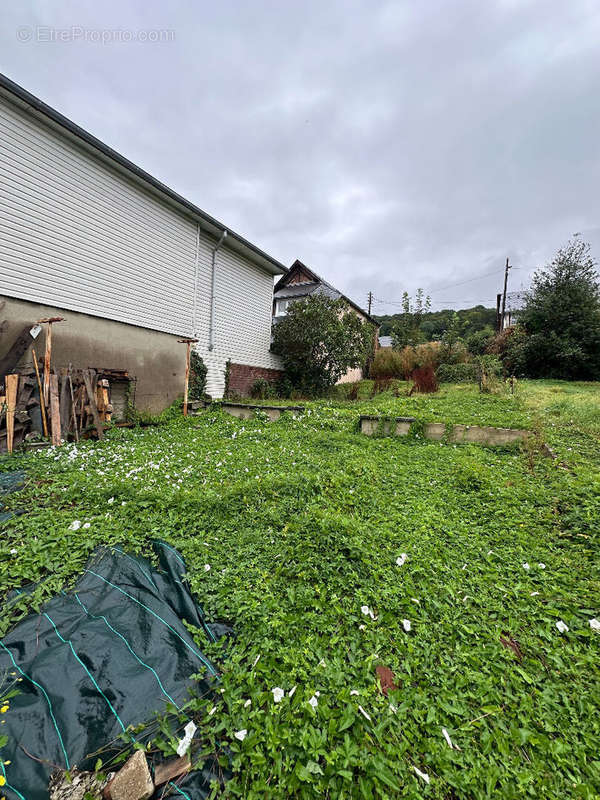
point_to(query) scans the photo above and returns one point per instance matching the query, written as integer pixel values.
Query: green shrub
(318, 340)
(262, 389)
(457, 373)
(477, 343)
(388, 363)
(198, 370)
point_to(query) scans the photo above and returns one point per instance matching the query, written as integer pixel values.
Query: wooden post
(12, 384)
(87, 379)
(54, 409)
(507, 267)
(74, 415)
(42, 404)
(65, 415)
(48, 353)
(188, 343)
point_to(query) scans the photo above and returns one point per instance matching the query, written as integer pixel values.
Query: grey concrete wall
(249, 411)
(156, 359)
(437, 431)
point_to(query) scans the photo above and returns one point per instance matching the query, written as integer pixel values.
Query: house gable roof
(300, 281)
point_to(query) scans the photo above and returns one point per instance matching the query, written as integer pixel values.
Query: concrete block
(493, 436)
(372, 425)
(434, 430)
(133, 781)
(246, 411)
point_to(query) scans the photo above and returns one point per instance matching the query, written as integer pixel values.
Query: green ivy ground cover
(332, 553)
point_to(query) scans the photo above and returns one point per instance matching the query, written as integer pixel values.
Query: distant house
(515, 302)
(300, 282)
(385, 341)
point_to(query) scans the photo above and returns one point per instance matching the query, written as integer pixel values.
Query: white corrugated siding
(78, 235)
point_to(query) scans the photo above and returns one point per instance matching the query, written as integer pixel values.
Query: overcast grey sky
(387, 145)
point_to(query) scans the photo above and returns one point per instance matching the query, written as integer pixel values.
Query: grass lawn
(302, 522)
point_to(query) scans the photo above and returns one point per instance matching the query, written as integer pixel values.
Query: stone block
(133, 781)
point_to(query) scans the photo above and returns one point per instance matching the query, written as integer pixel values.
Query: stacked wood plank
(18, 402)
(54, 404)
(78, 405)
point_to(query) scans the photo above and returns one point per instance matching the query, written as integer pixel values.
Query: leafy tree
(318, 340)
(562, 317)
(434, 323)
(478, 342)
(453, 351)
(406, 331)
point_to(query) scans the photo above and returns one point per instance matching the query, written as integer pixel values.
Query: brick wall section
(241, 377)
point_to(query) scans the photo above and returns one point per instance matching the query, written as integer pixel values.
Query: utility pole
(370, 302)
(506, 268)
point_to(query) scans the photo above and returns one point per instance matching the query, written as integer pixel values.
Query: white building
(129, 264)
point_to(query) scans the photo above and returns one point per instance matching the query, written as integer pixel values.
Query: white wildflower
(13, 551)
(365, 610)
(212, 711)
(414, 599)
(241, 735)
(189, 731)
(401, 559)
(541, 565)
(595, 624)
(313, 701)
(364, 713)
(86, 525)
(354, 692)
(562, 627)
(278, 693)
(525, 565)
(322, 663)
(291, 691)
(406, 625)
(362, 627)
(247, 703)
(110, 501)
(207, 568)
(534, 594)
(423, 775)
(75, 525)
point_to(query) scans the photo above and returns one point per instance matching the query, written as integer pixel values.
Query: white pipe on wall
(213, 268)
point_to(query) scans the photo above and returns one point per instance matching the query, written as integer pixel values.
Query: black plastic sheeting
(108, 654)
(9, 482)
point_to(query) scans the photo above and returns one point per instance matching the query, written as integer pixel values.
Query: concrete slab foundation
(246, 411)
(438, 431)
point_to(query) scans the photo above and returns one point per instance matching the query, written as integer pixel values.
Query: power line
(441, 289)
(448, 302)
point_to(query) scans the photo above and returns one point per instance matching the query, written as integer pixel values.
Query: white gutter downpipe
(213, 269)
(196, 266)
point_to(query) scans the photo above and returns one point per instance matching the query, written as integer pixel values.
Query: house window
(281, 307)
